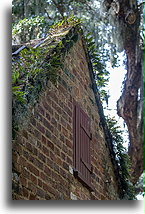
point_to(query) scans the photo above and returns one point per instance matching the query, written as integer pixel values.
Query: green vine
(99, 68)
(33, 67)
(122, 159)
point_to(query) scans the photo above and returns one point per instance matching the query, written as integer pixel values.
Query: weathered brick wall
(43, 151)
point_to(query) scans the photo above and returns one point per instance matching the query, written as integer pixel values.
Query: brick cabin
(65, 151)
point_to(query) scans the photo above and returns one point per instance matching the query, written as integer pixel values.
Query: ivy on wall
(33, 67)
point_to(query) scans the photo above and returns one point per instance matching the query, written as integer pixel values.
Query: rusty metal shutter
(82, 137)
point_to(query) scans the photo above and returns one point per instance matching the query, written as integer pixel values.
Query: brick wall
(43, 149)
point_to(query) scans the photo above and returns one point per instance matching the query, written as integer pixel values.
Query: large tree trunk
(130, 104)
(126, 15)
(130, 108)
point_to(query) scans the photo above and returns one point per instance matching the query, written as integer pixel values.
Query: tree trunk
(126, 17)
(130, 104)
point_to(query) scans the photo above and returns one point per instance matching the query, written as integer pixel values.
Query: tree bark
(130, 104)
(127, 17)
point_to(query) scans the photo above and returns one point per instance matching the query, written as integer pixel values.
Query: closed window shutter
(82, 138)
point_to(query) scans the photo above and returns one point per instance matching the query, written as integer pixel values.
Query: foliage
(122, 159)
(101, 74)
(30, 73)
(54, 10)
(140, 186)
(32, 69)
(29, 28)
(29, 65)
(57, 10)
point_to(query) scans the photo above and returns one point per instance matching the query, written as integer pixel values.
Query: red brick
(44, 177)
(57, 108)
(40, 193)
(48, 116)
(25, 193)
(56, 116)
(23, 180)
(63, 173)
(65, 166)
(54, 97)
(32, 197)
(50, 162)
(69, 143)
(70, 106)
(31, 129)
(59, 127)
(45, 187)
(26, 154)
(47, 196)
(42, 157)
(58, 161)
(41, 110)
(48, 134)
(22, 161)
(40, 183)
(63, 155)
(43, 139)
(25, 134)
(48, 125)
(29, 147)
(56, 167)
(64, 147)
(15, 157)
(54, 122)
(57, 151)
(64, 132)
(40, 128)
(45, 151)
(32, 187)
(39, 164)
(25, 172)
(17, 147)
(33, 179)
(56, 132)
(50, 145)
(69, 128)
(68, 111)
(48, 108)
(37, 134)
(47, 171)
(63, 122)
(69, 160)
(52, 191)
(33, 169)
(35, 151)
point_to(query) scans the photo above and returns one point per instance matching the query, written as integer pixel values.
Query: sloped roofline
(56, 37)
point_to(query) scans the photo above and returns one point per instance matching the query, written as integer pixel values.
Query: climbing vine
(29, 28)
(99, 68)
(122, 159)
(33, 67)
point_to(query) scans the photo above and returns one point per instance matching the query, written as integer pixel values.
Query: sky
(114, 90)
(114, 87)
